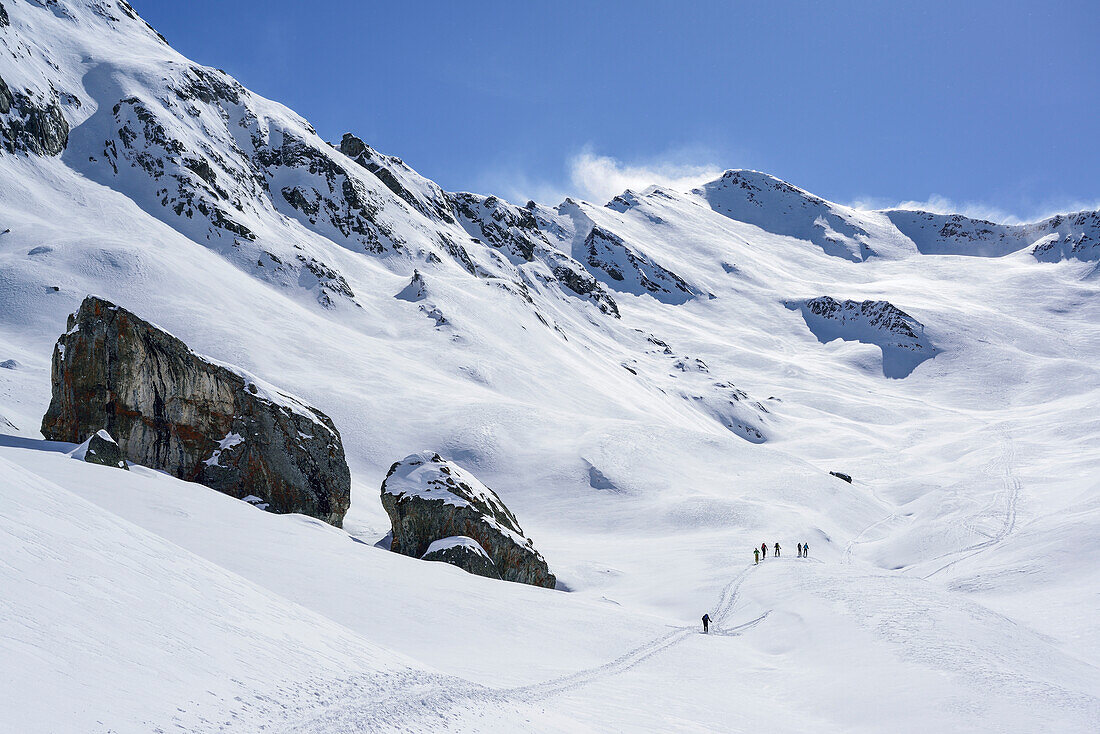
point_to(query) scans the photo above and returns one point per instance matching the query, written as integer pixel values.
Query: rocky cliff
(192, 417)
(439, 511)
(901, 337)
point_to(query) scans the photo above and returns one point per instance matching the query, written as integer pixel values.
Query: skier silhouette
(799, 550)
(777, 550)
(764, 549)
(706, 624)
(756, 555)
(805, 550)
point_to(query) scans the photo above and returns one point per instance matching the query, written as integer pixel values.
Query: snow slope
(630, 380)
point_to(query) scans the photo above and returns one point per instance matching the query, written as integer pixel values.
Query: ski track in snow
(647, 650)
(1012, 492)
(426, 698)
(858, 539)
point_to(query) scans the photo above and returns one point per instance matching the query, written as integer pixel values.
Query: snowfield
(632, 381)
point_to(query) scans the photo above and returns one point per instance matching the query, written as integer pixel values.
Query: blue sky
(988, 107)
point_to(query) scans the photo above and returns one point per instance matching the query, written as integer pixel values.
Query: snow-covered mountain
(653, 386)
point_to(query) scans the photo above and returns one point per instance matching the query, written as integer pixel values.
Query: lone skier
(706, 624)
(764, 549)
(777, 550)
(756, 555)
(799, 550)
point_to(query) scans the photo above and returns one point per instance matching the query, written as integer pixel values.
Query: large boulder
(193, 417)
(430, 500)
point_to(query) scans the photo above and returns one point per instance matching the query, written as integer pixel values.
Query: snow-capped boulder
(195, 418)
(466, 553)
(101, 449)
(430, 499)
(416, 290)
(901, 337)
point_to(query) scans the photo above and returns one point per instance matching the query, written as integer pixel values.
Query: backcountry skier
(764, 549)
(706, 624)
(777, 550)
(756, 555)
(805, 550)
(799, 550)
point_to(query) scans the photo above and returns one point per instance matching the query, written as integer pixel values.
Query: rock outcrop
(841, 475)
(901, 337)
(439, 511)
(1061, 237)
(630, 271)
(31, 123)
(466, 553)
(199, 420)
(101, 449)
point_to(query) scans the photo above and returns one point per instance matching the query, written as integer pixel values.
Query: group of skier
(803, 551)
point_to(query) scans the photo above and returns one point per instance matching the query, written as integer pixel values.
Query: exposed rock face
(841, 475)
(1060, 237)
(466, 553)
(630, 271)
(524, 236)
(102, 449)
(901, 337)
(196, 419)
(429, 499)
(31, 123)
(431, 201)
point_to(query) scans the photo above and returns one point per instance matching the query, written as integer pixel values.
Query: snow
(460, 541)
(231, 439)
(951, 586)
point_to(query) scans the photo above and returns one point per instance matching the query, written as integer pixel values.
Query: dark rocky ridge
(519, 234)
(389, 170)
(1060, 237)
(901, 337)
(429, 499)
(173, 410)
(630, 271)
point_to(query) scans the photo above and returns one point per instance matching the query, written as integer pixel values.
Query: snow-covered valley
(644, 384)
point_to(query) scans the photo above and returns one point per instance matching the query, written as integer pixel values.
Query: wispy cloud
(601, 177)
(937, 204)
(598, 178)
